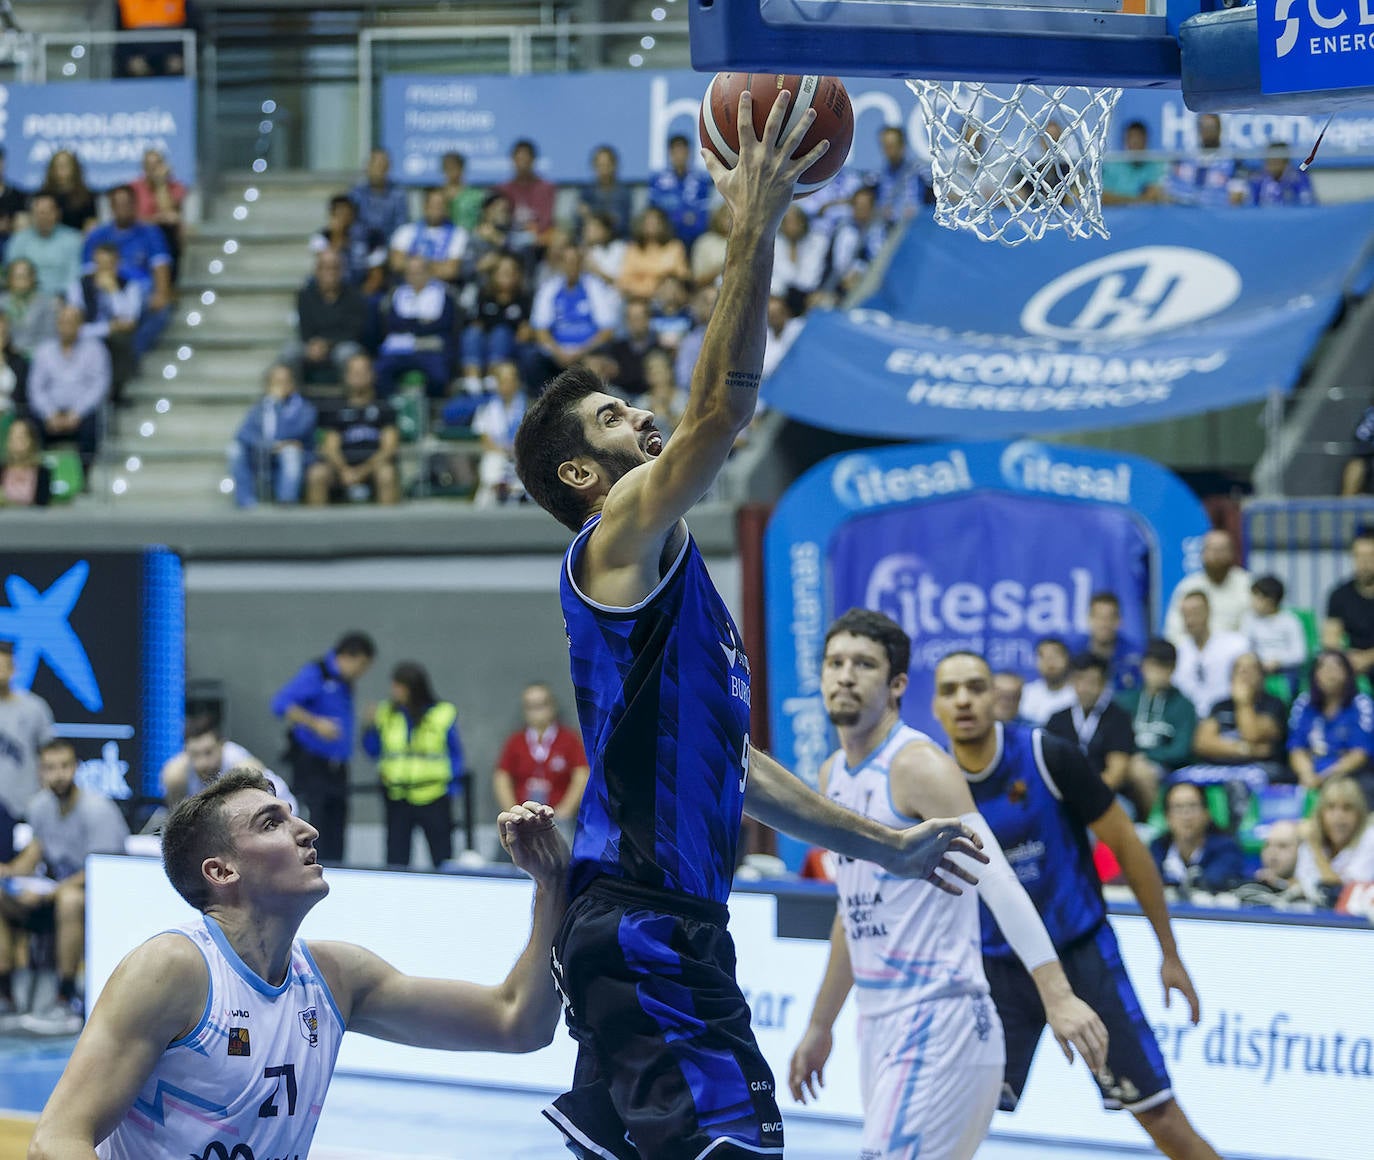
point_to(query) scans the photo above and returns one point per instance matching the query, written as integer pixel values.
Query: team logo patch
(238, 1041)
(1017, 794)
(310, 1025)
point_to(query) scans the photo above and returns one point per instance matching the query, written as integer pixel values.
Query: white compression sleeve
(1007, 899)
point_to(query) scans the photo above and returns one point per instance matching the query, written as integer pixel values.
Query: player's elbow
(528, 1031)
(49, 1143)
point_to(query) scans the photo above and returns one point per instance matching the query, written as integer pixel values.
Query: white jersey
(235, 755)
(249, 1080)
(909, 941)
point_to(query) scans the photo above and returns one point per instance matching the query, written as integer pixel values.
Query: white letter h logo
(1111, 312)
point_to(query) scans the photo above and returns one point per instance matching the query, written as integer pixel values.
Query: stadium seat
(67, 476)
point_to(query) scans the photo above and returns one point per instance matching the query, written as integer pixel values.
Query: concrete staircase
(236, 309)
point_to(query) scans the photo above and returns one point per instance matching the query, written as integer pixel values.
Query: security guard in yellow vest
(414, 737)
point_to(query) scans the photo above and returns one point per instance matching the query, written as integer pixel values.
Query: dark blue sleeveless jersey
(663, 701)
(1039, 796)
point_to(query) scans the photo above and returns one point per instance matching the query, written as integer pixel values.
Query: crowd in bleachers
(88, 288)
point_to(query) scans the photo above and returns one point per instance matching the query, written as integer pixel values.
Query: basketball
(827, 95)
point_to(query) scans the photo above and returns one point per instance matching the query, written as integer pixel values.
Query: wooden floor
(15, 1131)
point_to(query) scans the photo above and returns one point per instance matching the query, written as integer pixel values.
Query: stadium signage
(1306, 45)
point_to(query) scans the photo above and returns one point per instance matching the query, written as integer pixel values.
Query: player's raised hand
(533, 842)
(805, 1074)
(1075, 1024)
(923, 852)
(1174, 975)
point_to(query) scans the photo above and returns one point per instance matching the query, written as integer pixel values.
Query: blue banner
(107, 124)
(1305, 46)
(953, 541)
(1179, 312)
(425, 116)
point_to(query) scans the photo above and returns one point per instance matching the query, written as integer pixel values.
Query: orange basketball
(827, 95)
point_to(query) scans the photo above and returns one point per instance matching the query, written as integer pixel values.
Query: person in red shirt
(158, 199)
(544, 762)
(531, 199)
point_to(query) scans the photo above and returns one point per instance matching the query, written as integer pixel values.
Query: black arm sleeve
(1084, 794)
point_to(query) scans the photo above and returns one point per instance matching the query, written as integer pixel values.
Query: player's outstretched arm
(806, 1072)
(155, 996)
(1117, 830)
(779, 799)
(519, 1014)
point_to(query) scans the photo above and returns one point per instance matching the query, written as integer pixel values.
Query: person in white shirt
(1225, 584)
(434, 237)
(496, 422)
(224, 1008)
(1275, 634)
(799, 256)
(209, 755)
(1205, 657)
(1337, 841)
(1043, 697)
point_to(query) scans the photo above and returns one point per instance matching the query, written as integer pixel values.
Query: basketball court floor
(367, 1118)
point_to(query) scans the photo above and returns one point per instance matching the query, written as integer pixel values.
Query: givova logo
(1132, 294)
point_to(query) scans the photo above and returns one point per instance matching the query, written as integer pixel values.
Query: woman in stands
(1337, 842)
(653, 253)
(25, 480)
(1331, 727)
(66, 181)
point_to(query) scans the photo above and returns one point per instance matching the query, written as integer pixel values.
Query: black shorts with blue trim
(1135, 1078)
(667, 1065)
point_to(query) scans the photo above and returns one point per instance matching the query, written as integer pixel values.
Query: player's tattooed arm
(742, 381)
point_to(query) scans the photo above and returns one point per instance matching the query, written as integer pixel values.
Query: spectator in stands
(362, 250)
(14, 369)
(464, 200)
(672, 311)
(857, 242)
(499, 329)
(1043, 697)
(158, 201)
(1280, 182)
(899, 180)
(208, 755)
(603, 249)
(52, 249)
(783, 328)
(1193, 854)
(69, 824)
(605, 195)
(25, 727)
(708, 251)
(629, 350)
(1224, 582)
(111, 305)
(25, 481)
(382, 205)
(14, 204)
(571, 316)
(1006, 695)
(1162, 722)
(1205, 656)
(653, 254)
(1104, 641)
(413, 737)
(681, 192)
(331, 322)
(662, 395)
(155, 57)
(1337, 842)
(419, 326)
(1208, 179)
(496, 422)
(1275, 633)
(490, 241)
(318, 705)
(1279, 856)
(1331, 726)
(30, 313)
(1247, 729)
(830, 206)
(143, 257)
(357, 458)
(65, 182)
(1355, 475)
(799, 257)
(68, 385)
(1349, 623)
(544, 761)
(1133, 178)
(273, 444)
(688, 350)
(531, 200)
(434, 237)
(1100, 728)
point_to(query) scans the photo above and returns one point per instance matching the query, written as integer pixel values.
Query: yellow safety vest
(415, 765)
(152, 13)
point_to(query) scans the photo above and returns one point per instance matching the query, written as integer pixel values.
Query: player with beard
(668, 1067)
(1041, 800)
(930, 1041)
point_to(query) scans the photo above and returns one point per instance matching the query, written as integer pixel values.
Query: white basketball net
(1011, 167)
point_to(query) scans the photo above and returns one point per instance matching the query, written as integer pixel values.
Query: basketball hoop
(1010, 166)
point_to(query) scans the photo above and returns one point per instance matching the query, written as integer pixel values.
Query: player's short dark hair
(1162, 652)
(877, 627)
(55, 743)
(1103, 596)
(356, 644)
(1087, 661)
(200, 725)
(198, 829)
(1269, 588)
(1054, 642)
(550, 434)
